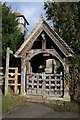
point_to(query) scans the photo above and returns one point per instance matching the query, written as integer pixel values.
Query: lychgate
(44, 61)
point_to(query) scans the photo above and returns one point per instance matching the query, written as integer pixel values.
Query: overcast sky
(31, 10)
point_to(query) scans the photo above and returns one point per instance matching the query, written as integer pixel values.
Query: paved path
(37, 110)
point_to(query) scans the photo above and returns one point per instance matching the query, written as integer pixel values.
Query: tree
(66, 21)
(65, 18)
(10, 31)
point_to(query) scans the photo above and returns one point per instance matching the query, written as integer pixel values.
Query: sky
(31, 10)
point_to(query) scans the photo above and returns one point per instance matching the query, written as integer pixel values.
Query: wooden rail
(14, 78)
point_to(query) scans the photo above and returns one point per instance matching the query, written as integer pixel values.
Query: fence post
(16, 80)
(7, 69)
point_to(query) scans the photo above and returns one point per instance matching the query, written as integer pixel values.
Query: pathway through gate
(36, 110)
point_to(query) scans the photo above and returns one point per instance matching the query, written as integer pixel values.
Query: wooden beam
(14, 73)
(43, 44)
(11, 78)
(13, 84)
(12, 68)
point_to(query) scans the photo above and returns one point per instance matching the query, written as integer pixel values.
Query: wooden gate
(45, 84)
(12, 80)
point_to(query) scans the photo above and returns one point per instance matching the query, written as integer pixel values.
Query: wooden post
(54, 62)
(16, 80)
(43, 41)
(23, 76)
(66, 84)
(43, 44)
(29, 67)
(7, 69)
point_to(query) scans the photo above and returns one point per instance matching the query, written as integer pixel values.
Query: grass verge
(63, 106)
(9, 102)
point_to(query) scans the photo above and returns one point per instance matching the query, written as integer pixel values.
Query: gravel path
(37, 110)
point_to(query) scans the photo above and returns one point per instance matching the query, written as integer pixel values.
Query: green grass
(9, 102)
(63, 106)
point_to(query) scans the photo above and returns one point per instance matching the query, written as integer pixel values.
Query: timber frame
(60, 50)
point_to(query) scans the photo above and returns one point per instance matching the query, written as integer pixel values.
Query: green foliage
(57, 64)
(66, 21)
(65, 17)
(10, 32)
(63, 106)
(67, 77)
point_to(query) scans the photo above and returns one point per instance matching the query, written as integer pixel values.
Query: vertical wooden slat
(37, 84)
(43, 44)
(16, 80)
